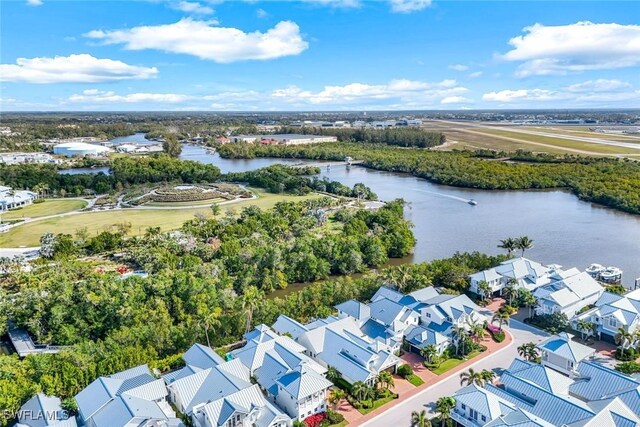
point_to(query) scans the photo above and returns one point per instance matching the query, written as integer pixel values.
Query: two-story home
(130, 397)
(243, 408)
(561, 353)
(611, 312)
(290, 379)
(568, 293)
(522, 272)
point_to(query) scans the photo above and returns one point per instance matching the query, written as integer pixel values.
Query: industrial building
(72, 149)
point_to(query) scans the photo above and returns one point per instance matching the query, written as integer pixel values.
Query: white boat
(472, 202)
(595, 269)
(611, 274)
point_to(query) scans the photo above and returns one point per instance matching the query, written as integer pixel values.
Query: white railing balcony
(461, 418)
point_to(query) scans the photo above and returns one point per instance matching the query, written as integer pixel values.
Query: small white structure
(11, 199)
(72, 149)
(561, 353)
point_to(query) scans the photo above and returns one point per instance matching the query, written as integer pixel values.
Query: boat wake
(448, 196)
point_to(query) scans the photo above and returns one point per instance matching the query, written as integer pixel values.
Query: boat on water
(472, 202)
(611, 275)
(594, 270)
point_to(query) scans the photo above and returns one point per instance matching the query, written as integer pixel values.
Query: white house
(569, 292)
(11, 199)
(524, 272)
(611, 312)
(131, 397)
(301, 392)
(44, 411)
(561, 353)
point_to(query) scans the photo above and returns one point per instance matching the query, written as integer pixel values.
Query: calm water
(565, 230)
(137, 139)
(76, 171)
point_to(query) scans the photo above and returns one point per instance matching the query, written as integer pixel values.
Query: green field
(49, 207)
(167, 219)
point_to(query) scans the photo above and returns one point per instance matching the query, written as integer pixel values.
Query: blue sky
(318, 55)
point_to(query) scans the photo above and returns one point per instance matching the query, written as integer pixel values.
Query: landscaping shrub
(630, 367)
(629, 354)
(405, 370)
(552, 323)
(498, 336)
(314, 420)
(334, 417)
(38, 201)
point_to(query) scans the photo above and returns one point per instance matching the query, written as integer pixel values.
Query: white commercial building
(71, 149)
(10, 199)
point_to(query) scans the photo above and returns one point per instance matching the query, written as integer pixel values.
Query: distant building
(11, 199)
(72, 149)
(20, 158)
(284, 139)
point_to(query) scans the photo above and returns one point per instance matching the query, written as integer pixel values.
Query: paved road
(400, 415)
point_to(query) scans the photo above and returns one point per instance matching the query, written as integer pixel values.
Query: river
(565, 230)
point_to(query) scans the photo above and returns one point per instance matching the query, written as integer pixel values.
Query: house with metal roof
(302, 392)
(522, 271)
(244, 408)
(202, 357)
(563, 354)
(570, 291)
(613, 311)
(44, 411)
(529, 394)
(130, 397)
(418, 337)
(359, 311)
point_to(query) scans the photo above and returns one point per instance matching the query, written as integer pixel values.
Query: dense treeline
(126, 171)
(285, 179)
(62, 129)
(403, 137)
(116, 324)
(610, 182)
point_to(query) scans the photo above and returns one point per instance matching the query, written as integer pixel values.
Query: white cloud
(81, 68)
(458, 67)
(599, 85)
(344, 4)
(192, 7)
(520, 95)
(408, 6)
(206, 41)
(582, 46)
(34, 2)
(261, 13)
(456, 100)
(475, 74)
(98, 96)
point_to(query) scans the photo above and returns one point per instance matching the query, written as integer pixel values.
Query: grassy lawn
(49, 207)
(452, 363)
(342, 424)
(415, 380)
(376, 404)
(167, 219)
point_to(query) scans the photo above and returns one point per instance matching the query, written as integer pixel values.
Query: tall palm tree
(359, 389)
(488, 376)
(444, 405)
(524, 243)
(336, 396)
(210, 321)
(333, 374)
(509, 245)
(458, 335)
(429, 352)
(385, 379)
(527, 298)
(484, 289)
(584, 326)
(419, 419)
(250, 299)
(528, 351)
(471, 377)
(502, 317)
(623, 338)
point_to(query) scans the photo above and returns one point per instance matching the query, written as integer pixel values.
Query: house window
(473, 414)
(613, 322)
(464, 407)
(484, 418)
(428, 315)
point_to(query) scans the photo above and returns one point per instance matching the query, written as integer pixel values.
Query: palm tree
(429, 352)
(623, 338)
(419, 419)
(509, 245)
(477, 331)
(333, 374)
(250, 299)
(471, 377)
(359, 389)
(488, 376)
(510, 291)
(527, 298)
(524, 243)
(385, 379)
(211, 320)
(458, 335)
(502, 317)
(584, 327)
(444, 405)
(528, 351)
(336, 396)
(484, 289)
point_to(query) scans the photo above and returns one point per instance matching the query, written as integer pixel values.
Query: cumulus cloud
(98, 96)
(207, 41)
(408, 6)
(192, 7)
(458, 67)
(34, 2)
(520, 95)
(475, 74)
(599, 85)
(81, 68)
(261, 13)
(345, 4)
(563, 49)
(456, 100)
